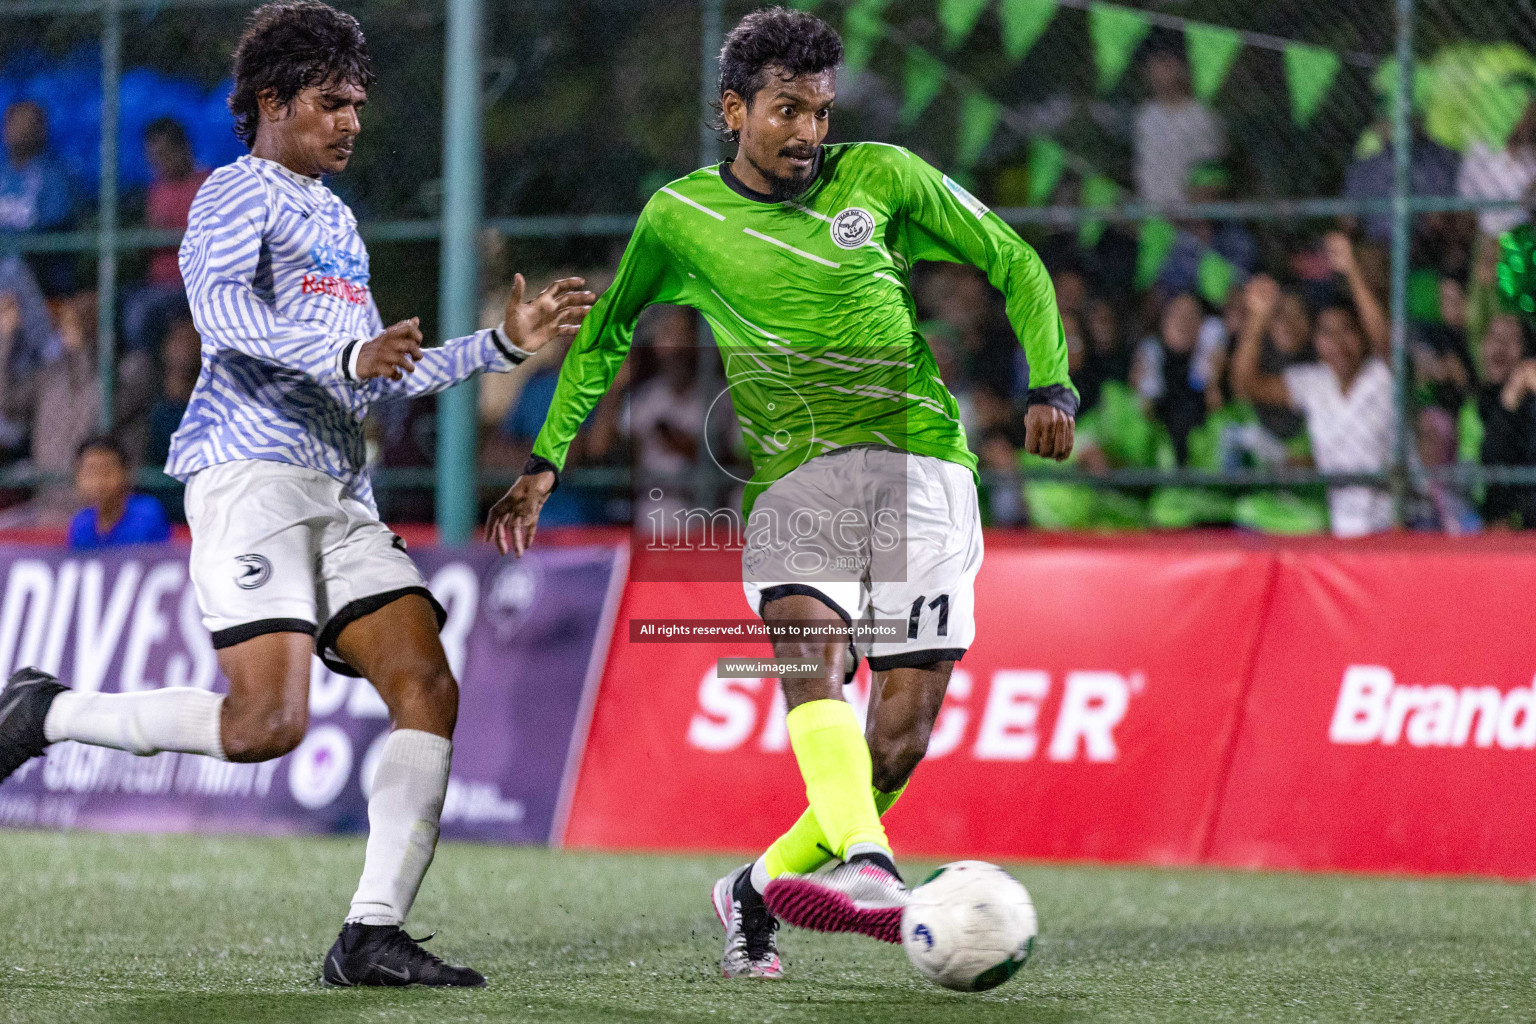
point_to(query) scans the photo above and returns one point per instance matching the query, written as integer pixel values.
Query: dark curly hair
(774, 40)
(288, 46)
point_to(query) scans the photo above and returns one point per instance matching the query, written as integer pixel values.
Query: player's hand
(515, 518)
(392, 354)
(1048, 432)
(557, 311)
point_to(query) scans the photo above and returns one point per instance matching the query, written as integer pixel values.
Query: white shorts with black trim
(282, 549)
(874, 533)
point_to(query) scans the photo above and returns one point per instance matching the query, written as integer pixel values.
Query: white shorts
(281, 549)
(874, 533)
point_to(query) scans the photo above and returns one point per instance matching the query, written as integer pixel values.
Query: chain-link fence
(1162, 158)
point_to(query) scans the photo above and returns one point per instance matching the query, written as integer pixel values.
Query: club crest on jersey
(254, 571)
(852, 228)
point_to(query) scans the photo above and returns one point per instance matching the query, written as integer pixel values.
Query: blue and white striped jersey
(277, 277)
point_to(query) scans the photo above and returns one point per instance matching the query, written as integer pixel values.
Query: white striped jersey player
(285, 534)
(277, 277)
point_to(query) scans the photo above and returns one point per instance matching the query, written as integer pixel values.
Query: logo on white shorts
(254, 571)
(852, 228)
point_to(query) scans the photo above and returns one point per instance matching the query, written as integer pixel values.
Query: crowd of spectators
(1279, 361)
(51, 399)
(1246, 347)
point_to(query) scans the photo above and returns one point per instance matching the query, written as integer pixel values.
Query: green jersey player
(863, 501)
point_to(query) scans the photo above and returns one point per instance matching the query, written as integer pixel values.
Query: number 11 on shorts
(939, 604)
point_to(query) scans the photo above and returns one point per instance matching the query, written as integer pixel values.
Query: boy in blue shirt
(113, 515)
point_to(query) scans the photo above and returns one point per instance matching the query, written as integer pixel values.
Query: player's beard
(784, 187)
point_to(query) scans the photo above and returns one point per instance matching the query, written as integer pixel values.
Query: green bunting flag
(862, 31)
(924, 79)
(958, 18)
(1384, 83)
(1023, 22)
(1116, 32)
(1211, 51)
(979, 116)
(1098, 193)
(1309, 71)
(1478, 92)
(1157, 237)
(1215, 276)
(1046, 161)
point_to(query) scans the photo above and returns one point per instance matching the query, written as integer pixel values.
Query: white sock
(179, 718)
(403, 814)
(759, 877)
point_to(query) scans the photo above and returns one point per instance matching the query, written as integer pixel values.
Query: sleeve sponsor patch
(967, 200)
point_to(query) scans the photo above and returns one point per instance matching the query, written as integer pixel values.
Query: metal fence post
(706, 491)
(106, 238)
(1402, 226)
(459, 266)
(712, 25)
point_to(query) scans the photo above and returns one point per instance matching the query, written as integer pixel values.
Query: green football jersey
(811, 308)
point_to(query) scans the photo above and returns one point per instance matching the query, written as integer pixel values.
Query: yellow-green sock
(799, 851)
(804, 848)
(885, 801)
(834, 761)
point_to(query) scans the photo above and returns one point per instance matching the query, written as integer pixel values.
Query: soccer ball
(969, 926)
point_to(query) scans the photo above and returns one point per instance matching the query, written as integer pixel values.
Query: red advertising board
(1308, 704)
(1391, 721)
(1092, 718)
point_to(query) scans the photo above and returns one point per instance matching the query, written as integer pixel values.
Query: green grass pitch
(132, 929)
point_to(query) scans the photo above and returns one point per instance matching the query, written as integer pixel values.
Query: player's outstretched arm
(645, 275)
(406, 370)
(556, 312)
(945, 222)
(515, 518)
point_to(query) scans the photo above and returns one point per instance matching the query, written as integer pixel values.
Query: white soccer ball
(970, 926)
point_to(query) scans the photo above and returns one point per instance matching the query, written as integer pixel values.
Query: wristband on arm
(539, 464)
(1057, 396)
(514, 354)
(347, 361)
